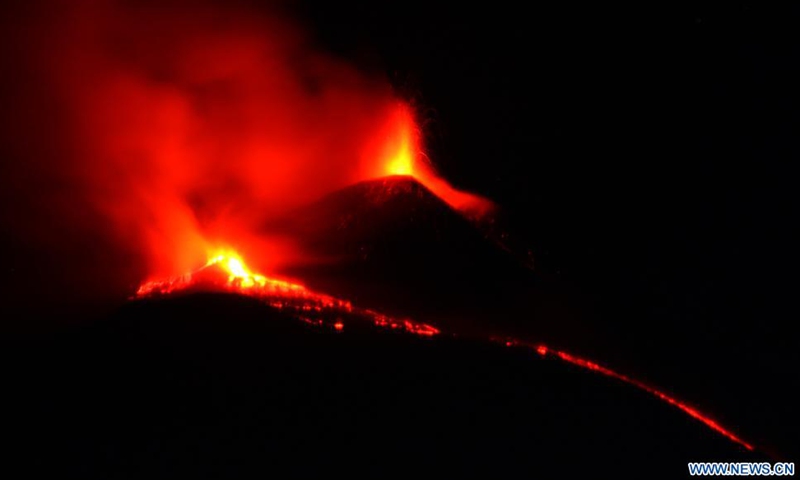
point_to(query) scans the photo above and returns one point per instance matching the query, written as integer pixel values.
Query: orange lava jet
(227, 272)
(545, 351)
(402, 154)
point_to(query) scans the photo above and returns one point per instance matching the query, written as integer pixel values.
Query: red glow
(178, 127)
(589, 365)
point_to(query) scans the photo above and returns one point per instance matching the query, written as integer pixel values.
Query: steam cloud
(152, 131)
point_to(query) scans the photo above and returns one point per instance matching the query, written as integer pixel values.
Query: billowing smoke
(139, 136)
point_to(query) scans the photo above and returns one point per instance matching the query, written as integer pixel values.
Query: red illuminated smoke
(181, 129)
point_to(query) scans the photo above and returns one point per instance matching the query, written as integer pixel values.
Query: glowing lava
(227, 272)
(404, 147)
(545, 351)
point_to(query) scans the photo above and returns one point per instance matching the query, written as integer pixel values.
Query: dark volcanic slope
(394, 223)
(391, 244)
(216, 385)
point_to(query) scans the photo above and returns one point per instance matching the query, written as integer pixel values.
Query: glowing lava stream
(545, 351)
(406, 159)
(226, 272)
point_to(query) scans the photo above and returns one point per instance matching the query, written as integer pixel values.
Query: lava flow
(545, 351)
(227, 272)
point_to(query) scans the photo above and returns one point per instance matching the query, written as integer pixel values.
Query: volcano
(225, 370)
(278, 261)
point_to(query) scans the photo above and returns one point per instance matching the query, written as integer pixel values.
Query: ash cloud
(137, 135)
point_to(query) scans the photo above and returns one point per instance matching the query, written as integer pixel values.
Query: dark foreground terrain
(221, 386)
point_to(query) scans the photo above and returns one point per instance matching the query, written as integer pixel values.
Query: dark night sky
(643, 152)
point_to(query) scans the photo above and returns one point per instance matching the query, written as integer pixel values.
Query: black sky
(645, 152)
